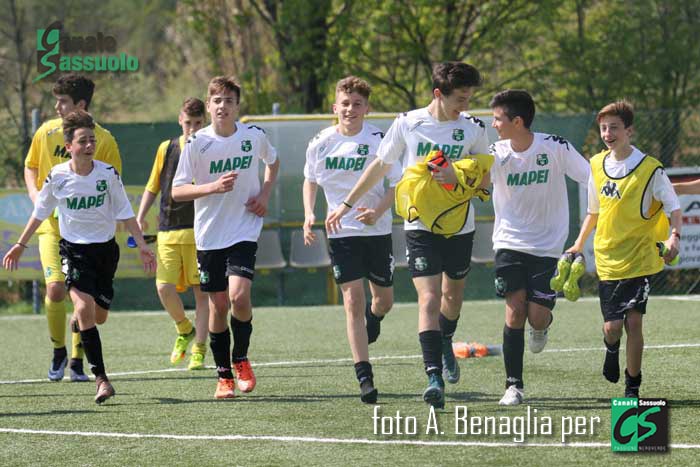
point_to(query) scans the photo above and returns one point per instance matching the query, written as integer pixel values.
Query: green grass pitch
(306, 410)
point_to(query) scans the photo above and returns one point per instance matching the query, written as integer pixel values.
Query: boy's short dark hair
(193, 107)
(515, 103)
(351, 84)
(222, 84)
(622, 109)
(74, 121)
(78, 87)
(448, 76)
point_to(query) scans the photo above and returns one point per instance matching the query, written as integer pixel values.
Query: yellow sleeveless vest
(625, 238)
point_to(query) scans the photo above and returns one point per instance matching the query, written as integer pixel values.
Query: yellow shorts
(50, 257)
(177, 264)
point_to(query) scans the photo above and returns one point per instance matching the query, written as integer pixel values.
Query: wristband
(22, 245)
(349, 206)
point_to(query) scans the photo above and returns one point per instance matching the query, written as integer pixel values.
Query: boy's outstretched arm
(374, 173)
(589, 223)
(148, 258)
(687, 188)
(370, 216)
(11, 259)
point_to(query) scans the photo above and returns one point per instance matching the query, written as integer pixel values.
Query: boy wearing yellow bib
(629, 199)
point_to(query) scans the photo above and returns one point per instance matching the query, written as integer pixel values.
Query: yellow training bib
(625, 238)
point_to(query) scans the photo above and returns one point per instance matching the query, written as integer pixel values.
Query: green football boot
(180, 347)
(196, 361)
(563, 268)
(572, 292)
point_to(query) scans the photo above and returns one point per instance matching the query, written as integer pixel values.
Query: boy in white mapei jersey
(90, 199)
(218, 169)
(532, 223)
(335, 160)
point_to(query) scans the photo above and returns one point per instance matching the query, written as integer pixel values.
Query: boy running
(532, 223)
(177, 255)
(90, 198)
(218, 169)
(72, 92)
(438, 264)
(629, 199)
(335, 160)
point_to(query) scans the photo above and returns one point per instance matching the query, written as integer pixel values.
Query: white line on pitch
(308, 439)
(341, 360)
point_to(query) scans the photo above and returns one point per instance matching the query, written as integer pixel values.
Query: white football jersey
(221, 219)
(414, 134)
(88, 206)
(529, 194)
(336, 162)
(659, 187)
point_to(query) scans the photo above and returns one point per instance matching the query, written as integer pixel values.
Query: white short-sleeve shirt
(336, 162)
(222, 219)
(88, 205)
(529, 194)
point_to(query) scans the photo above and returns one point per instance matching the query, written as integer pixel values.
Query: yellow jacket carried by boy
(441, 208)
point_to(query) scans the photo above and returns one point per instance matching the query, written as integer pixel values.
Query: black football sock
(363, 371)
(448, 326)
(431, 345)
(220, 343)
(632, 384)
(611, 367)
(93, 350)
(241, 339)
(58, 355)
(513, 349)
(373, 323)
(368, 393)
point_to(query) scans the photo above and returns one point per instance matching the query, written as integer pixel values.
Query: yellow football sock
(199, 348)
(77, 346)
(56, 317)
(184, 327)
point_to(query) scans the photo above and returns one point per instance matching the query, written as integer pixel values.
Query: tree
(395, 44)
(608, 50)
(306, 35)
